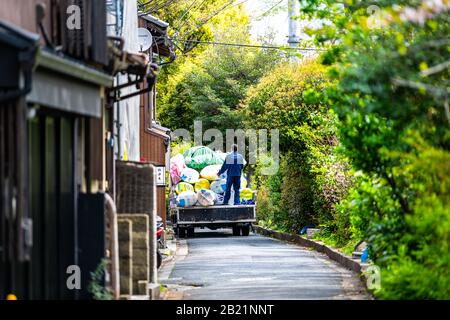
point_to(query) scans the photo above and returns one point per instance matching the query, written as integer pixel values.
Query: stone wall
(125, 257)
(137, 240)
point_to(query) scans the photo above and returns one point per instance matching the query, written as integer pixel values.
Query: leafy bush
(420, 269)
(96, 285)
(390, 94)
(364, 136)
(313, 177)
(179, 147)
(269, 206)
(297, 196)
(210, 85)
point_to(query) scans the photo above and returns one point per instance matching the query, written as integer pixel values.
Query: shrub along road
(220, 266)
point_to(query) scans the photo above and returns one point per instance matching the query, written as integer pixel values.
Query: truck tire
(236, 231)
(191, 232)
(159, 259)
(245, 230)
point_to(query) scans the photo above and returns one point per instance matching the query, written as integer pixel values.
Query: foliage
(364, 134)
(177, 147)
(269, 208)
(210, 86)
(188, 20)
(389, 92)
(313, 177)
(285, 99)
(96, 286)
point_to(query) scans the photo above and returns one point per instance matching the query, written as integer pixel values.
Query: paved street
(216, 265)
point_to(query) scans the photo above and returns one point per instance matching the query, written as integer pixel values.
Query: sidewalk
(177, 250)
(168, 256)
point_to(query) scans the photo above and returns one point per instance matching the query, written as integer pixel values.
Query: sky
(276, 22)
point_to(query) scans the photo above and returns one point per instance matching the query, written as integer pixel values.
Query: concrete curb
(346, 261)
(168, 262)
(178, 254)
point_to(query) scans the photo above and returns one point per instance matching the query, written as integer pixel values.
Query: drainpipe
(111, 213)
(118, 125)
(153, 243)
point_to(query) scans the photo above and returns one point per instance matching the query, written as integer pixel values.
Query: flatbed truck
(237, 217)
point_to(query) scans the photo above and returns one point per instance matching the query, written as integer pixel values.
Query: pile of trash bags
(200, 157)
(195, 180)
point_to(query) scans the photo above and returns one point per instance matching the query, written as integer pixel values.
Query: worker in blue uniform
(233, 166)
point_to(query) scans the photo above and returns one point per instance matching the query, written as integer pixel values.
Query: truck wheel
(245, 230)
(158, 259)
(191, 232)
(181, 232)
(236, 231)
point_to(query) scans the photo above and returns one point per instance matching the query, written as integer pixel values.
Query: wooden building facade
(154, 138)
(56, 144)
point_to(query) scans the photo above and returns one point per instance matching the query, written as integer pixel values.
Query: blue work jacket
(233, 165)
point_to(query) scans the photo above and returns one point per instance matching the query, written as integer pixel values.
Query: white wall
(129, 108)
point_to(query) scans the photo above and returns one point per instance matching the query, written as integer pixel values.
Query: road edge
(344, 260)
(179, 254)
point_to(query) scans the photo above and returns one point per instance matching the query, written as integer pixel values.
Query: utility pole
(293, 11)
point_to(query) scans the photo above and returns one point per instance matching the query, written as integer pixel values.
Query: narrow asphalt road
(216, 265)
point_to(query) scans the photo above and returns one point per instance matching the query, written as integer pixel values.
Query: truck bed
(221, 214)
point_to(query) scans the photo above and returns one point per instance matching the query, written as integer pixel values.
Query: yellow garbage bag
(201, 184)
(210, 172)
(183, 186)
(246, 194)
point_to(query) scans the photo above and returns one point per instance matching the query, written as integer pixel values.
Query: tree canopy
(210, 85)
(364, 129)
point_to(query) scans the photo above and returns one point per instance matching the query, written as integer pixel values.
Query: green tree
(210, 86)
(391, 85)
(314, 178)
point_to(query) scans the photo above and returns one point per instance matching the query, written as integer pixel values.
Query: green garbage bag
(200, 157)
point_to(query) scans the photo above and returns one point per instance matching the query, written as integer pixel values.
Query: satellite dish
(145, 39)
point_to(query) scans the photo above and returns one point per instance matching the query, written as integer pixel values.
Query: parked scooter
(160, 239)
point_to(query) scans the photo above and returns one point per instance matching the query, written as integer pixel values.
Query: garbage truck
(237, 217)
(193, 201)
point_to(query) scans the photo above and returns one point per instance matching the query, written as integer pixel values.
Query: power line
(162, 6)
(249, 45)
(205, 21)
(156, 6)
(178, 28)
(230, 3)
(199, 25)
(184, 14)
(271, 8)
